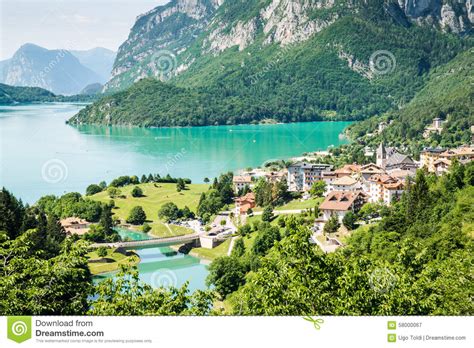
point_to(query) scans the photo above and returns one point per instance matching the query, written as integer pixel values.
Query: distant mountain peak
(57, 70)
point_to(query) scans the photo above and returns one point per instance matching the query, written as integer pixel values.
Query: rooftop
(248, 198)
(341, 201)
(242, 179)
(345, 181)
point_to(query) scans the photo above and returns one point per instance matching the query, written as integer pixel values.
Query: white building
(302, 176)
(385, 189)
(344, 184)
(240, 181)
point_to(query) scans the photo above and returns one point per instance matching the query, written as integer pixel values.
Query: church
(389, 159)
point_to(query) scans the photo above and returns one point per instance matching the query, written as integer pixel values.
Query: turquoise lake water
(40, 154)
(164, 266)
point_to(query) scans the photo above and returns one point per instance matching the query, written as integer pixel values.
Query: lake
(40, 154)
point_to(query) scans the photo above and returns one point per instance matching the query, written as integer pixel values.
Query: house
(329, 177)
(345, 184)
(441, 166)
(463, 154)
(347, 170)
(340, 203)
(244, 203)
(402, 175)
(301, 176)
(390, 159)
(240, 181)
(435, 127)
(438, 160)
(429, 156)
(275, 177)
(366, 172)
(384, 189)
(74, 225)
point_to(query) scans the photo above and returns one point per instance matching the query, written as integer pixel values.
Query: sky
(68, 24)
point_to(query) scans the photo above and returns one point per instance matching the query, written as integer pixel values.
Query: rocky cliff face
(157, 38)
(169, 39)
(448, 15)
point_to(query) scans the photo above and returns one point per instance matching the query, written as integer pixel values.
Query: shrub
(137, 216)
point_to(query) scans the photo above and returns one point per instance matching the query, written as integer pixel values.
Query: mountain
(173, 27)
(99, 60)
(56, 70)
(189, 28)
(227, 62)
(92, 89)
(14, 95)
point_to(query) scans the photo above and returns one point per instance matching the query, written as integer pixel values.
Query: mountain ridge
(332, 75)
(173, 28)
(57, 70)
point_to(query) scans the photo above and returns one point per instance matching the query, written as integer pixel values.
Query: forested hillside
(333, 74)
(448, 94)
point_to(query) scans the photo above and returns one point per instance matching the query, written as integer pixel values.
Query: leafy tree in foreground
(226, 273)
(169, 212)
(93, 189)
(332, 225)
(267, 215)
(239, 248)
(318, 189)
(126, 294)
(349, 220)
(32, 285)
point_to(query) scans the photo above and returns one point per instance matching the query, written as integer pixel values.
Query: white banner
(209, 332)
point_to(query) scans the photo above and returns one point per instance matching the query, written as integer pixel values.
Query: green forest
(448, 94)
(20, 95)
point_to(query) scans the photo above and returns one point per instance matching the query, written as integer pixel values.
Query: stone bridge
(156, 242)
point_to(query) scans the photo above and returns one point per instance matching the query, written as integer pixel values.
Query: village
(348, 188)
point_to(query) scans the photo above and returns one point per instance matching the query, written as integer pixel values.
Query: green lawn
(119, 259)
(154, 197)
(211, 254)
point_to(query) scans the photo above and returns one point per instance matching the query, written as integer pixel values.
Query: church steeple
(381, 155)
